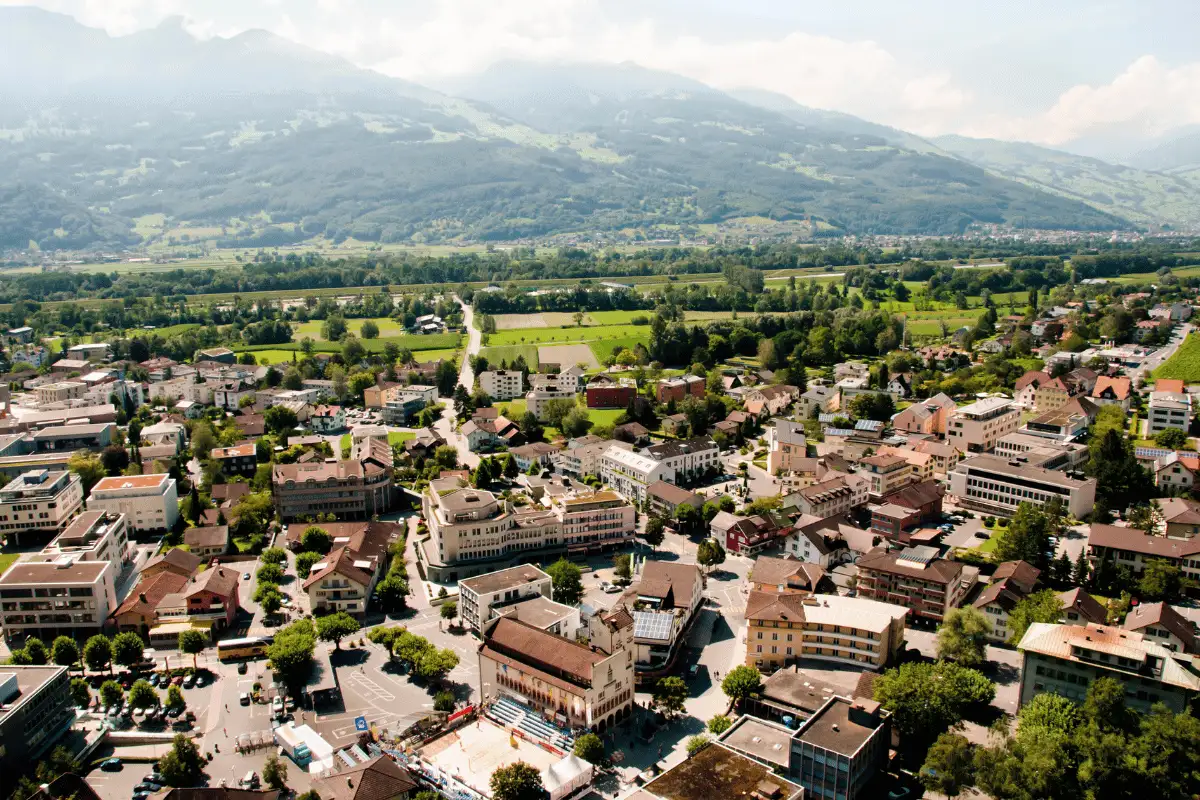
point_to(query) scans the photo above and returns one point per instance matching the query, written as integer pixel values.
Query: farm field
(416, 343)
(565, 335)
(1185, 364)
(508, 353)
(933, 327)
(566, 355)
(387, 327)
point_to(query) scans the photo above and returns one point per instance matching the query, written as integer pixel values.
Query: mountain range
(255, 140)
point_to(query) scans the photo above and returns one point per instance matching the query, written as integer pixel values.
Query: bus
(250, 647)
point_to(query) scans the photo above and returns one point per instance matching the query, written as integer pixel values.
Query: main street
(446, 426)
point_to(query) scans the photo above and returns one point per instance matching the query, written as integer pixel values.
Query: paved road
(1178, 336)
(446, 426)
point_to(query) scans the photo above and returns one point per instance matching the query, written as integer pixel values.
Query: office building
(784, 627)
(92, 536)
(54, 598)
(481, 598)
(148, 501)
(1168, 410)
(349, 489)
(36, 709)
(994, 485)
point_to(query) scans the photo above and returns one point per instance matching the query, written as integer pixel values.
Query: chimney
(350, 782)
(142, 597)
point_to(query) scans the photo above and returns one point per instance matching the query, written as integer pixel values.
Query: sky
(1052, 72)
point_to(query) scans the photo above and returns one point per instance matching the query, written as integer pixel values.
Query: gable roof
(340, 560)
(149, 592)
(1180, 511)
(181, 562)
(381, 778)
(529, 645)
(774, 571)
(773, 606)
(1035, 377)
(220, 580)
(1162, 615)
(1023, 574)
(1084, 604)
(1119, 387)
(1115, 537)
(681, 578)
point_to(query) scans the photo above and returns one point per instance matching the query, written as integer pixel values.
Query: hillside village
(563, 564)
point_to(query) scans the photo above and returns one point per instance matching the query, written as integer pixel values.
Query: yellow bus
(250, 647)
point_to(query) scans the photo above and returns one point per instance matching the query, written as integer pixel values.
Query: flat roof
(985, 406)
(54, 573)
(761, 739)
(30, 679)
(120, 482)
(832, 729)
(718, 772)
(500, 580)
(1000, 465)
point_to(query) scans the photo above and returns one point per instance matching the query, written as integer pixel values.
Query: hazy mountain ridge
(1145, 197)
(217, 133)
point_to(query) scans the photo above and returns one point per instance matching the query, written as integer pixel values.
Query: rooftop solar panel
(652, 625)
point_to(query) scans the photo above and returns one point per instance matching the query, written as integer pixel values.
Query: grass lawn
(617, 317)
(276, 356)
(604, 416)
(416, 343)
(387, 327)
(394, 438)
(508, 354)
(601, 349)
(1185, 364)
(513, 410)
(169, 330)
(7, 560)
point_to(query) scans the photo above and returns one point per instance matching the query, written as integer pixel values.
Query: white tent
(564, 777)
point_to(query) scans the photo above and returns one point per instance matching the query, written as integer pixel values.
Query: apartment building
(60, 392)
(927, 417)
(608, 391)
(992, 484)
(977, 427)
(568, 380)
(241, 459)
(481, 598)
(208, 601)
(676, 389)
(885, 473)
(100, 351)
(785, 626)
(1168, 410)
(592, 522)
(341, 581)
(1161, 623)
(350, 489)
(688, 459)
(149, 502)
(47, 599)
(585, 687)
(916, 578)
(667, 498)
(923, 464)
(536, 400)
(584, 459)
(1133, 549)
(630, 473)
(40, 502)
(945, 456)
(1066, 659)
(837, 494)
(92, 536)
(663, 602)
(36, 709)
(327, 419)
(502, 384)
(789, 448)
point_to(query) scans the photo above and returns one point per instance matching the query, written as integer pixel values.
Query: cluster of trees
(1061, 749)
(420, 656)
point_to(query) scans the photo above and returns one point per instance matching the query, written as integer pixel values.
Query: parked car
(111, 765)
(178, 679)
(141, 796)
(153, 680)
(189, 681)
(245, 576)
(243, 668)
(146, 787)
(983, 535)
(244, 699)
(277, 706)
(200, 680)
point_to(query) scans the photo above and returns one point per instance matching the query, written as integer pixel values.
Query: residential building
(342, 581)
(208, 602)
(327, 419)
(240, 459)
(1168, 410)
(1112, 392)
(1161, 623)
(769, 401)
(1066, 660)
(817, 398)
(1133, 549)
(666, 499)
(945, 456)
(687, 460)
(922, 463)
(208, 541)
(547, 615)
(1181, 515)
(784, 627)
(635, 433)
(977, 427)
(1174, 473)
(40, 502)
(578, 685)
(502, 384)
(1064, 423)
(664, 602)
(482, 597)
(916, 578)
(584, 459)
(1012, 582)
(380, 778)
(676, 389)
(836, 494)
(36, 709)
(631, 473)
(885, 473)
(788, 576)
(907, 509)
(928, 416)
(594, 522)
(149, 502)
(1080, 608)
(537, 400)
(827, 541)
(850, 733)
(350, 489)
(138, 612)
(789, 448)
(608, 391)
(92, 536)
(675, 424)
(67, 596)
(751, 535)
(101, 351)
(228, 394)
(60, 392)
(484, 434)
(22, 335)
(992, 484)
(536, 452)
(175, 561)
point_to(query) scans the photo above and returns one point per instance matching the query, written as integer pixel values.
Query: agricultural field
(276, 356)
(566, 355)
(419, 345)
(171, 330)
(933, 327)
(1185, 364)
(387, 327)
(566, 335)
(508, 353)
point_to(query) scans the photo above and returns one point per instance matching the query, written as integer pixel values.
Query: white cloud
(1149, 97)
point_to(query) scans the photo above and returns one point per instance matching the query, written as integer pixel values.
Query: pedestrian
(226, 732)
